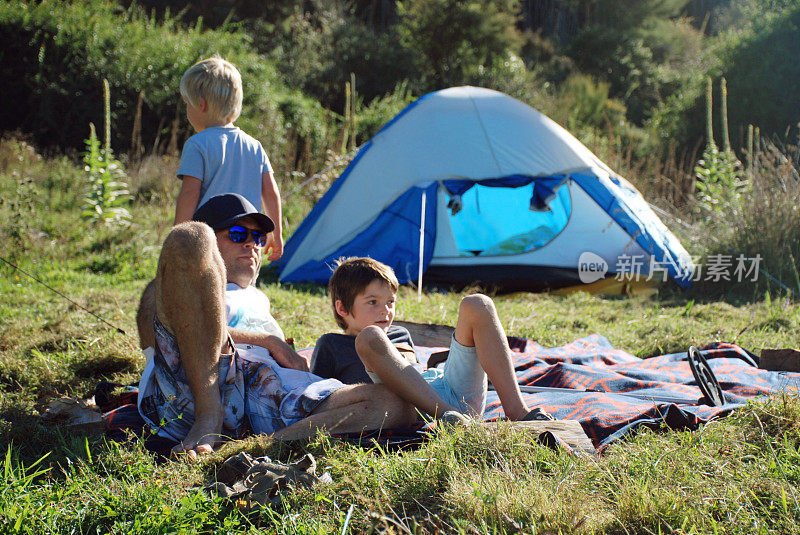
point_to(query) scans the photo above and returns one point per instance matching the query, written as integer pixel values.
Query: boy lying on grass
(363, 295)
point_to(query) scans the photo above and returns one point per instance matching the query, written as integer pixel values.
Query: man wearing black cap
(197, 386)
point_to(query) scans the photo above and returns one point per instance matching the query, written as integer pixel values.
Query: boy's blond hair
(351, 277)
(219, 83)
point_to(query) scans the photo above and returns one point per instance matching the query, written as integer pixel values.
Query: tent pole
(421, 245)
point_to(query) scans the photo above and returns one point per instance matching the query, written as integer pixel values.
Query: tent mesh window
(494, 221)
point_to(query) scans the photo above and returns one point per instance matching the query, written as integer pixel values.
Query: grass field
(736, 475)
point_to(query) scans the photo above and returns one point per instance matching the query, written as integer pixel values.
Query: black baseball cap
(222, 211)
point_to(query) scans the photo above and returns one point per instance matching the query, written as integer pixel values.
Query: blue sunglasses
(238, 234)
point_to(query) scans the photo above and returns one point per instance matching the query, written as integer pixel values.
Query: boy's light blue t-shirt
(226, 160)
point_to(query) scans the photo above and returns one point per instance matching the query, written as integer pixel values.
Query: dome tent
(508, 198)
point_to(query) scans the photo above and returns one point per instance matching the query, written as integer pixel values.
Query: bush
(319, 50)
(589, 105)
(381, 110)
(754, 40)
(762, 75)
(644, 50)
(107, 192)
(680, 117)
(763, 219)
(542, 56)
(451, 40)
(57, 53)
(720, 183)
(631, 68)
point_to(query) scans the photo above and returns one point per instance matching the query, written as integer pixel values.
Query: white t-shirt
(249, 309)
(226, 160)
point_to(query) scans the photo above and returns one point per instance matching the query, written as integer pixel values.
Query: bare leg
(351, 410)
(479, 327)
(144, 316)
(189, 297)
(379, 355)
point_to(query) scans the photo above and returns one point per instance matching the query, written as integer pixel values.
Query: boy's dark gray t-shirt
(335, 356)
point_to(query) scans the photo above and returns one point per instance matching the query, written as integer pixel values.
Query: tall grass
(769, 222)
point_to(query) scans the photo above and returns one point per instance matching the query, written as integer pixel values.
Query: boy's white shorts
(462, 383)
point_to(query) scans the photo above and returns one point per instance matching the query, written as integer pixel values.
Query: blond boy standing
(220, 158)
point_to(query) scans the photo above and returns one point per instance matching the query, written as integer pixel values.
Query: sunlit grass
(735, 475)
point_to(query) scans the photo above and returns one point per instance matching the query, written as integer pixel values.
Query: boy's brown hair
(352, 276)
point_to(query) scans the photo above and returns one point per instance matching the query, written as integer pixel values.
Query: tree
(319, 48)
(763, 71)
(641, 47)
(451, 38)
(628, 15)
(755, 42)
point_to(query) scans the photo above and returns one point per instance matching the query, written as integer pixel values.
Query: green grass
(736, 475)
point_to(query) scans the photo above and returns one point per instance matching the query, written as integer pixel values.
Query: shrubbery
(107, 194)
(449, 40)
(57, 53)
(628, 84)
(763, 73)
(752, 44)
(761, 220)
(317, 50)
(643, 50)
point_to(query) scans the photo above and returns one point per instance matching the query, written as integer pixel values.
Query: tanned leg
(479, 327)
(190, 303)
(353, 409)
(144, 316)
(379, 355)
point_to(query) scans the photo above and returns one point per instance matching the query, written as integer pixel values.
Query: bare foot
(201, 439)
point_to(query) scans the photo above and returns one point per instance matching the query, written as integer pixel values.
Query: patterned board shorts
(257, 394)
